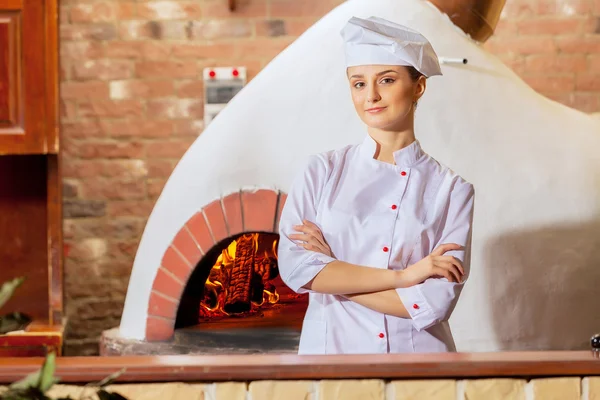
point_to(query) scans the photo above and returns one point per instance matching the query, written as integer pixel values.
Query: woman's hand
(435, 265)
(312, 237)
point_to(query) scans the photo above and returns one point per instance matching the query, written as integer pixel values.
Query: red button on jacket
(381, 335)
(416, 306)
(386, 249)
(403, 173)
(394, 206)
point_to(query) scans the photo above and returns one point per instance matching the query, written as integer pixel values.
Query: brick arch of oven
(239, 212)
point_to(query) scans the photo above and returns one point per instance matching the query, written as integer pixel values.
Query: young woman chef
(378, 233)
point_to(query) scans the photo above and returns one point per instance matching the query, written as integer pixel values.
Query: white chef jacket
(382, 215)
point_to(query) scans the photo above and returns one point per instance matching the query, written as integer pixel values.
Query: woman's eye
(387, 80)
(358, 85)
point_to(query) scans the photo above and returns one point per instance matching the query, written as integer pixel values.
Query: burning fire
(239, 282)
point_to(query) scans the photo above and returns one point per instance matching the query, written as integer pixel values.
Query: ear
(420, 87)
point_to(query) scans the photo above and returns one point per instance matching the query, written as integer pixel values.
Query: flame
(217, 288)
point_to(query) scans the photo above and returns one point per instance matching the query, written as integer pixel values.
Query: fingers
(311, 229)
(311, 242)
(452, 260)
(449, 269)
(443, 248)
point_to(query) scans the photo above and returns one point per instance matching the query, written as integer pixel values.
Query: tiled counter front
(461, 376)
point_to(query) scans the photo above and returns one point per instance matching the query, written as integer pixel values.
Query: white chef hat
(378, 41)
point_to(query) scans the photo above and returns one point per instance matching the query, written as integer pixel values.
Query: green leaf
(13, 322)
(47, 378)
(43, 379)
(8, 288)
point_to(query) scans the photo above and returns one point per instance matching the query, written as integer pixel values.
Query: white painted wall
(535, 164)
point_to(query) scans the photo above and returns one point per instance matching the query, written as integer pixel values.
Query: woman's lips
(375, 110)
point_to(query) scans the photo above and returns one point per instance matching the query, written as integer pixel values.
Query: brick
(162, 306)
(588, 82)
(556, 388)
(522, 45)
(295, 9)
(166, 284)
(270, 28)
(505, 27)
(230, 391)
(276, 390)
(95, 149)
(159, 391)
(550, 26)
(160, 10)
(174, 262)
(174, 148)
(516, 9)
(593, 387)
(495, 389)
(159, 329)
(204, 51)
(166, 69)
(297, 26)
(176, 108)
(113, 189)
(263, 47)
(103, 70)
(550, 83)
(88, 249)
(594, 63)
(82, 51)
(424, 390)
(188, 127)
(102, 12)
(159, 168)
(137, 127)
(586, 102)
(68, 109)
(100, 32)
(220, 29)
(73, 208)
(125, 228)
(198, 228)
(190, 89)
(110, 108)
(281, 203)
(140, 89)
(259, 210)
(351, 389)
(107, 168)
(578, 44)
(130, 208)
(124, 49)
(138, 30)
(82, 90)
(548, 64)
(566, 7)
(216, 220)
(187, 247)
(243, 9)
(154, 187)
(83, 128)
(233, 213)
(70, 189)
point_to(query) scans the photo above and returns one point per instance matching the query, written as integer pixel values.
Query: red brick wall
(131, 99)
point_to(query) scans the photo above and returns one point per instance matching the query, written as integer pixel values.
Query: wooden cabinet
(30, 182)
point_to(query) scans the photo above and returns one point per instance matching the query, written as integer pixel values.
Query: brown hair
(414, 74)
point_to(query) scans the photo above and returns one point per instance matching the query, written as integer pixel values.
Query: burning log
(239, 294)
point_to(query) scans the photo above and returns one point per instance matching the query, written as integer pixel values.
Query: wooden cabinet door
(28, 77)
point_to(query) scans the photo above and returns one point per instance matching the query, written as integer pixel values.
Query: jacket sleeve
(298, 266)
(433, 301)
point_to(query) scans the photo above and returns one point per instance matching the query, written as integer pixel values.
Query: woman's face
(384, 95)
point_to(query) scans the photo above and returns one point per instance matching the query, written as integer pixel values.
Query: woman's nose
(373, 95)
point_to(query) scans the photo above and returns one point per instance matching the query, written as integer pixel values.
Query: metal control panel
(220, 85)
